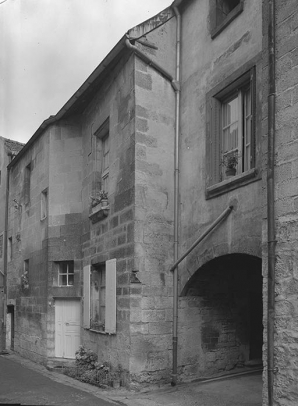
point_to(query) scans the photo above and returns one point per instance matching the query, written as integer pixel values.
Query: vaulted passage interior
(221, 316)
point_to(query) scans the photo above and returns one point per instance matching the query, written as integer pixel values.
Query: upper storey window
(231, 129)
(222, 12)
(102, 158)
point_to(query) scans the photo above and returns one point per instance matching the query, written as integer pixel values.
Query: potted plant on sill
(230, 161)
(99, 207)
(100, 198)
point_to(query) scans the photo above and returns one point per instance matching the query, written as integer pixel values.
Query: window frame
(67, 274)
(9, 249)
(102, 137)
(217, 28)
(100, 269)
(44, 204)
(27, 183)
(110, 297)
(215, 98)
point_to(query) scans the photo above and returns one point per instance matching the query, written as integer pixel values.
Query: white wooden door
(67, 328)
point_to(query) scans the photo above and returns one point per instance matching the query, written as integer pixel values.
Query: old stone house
(172, 125)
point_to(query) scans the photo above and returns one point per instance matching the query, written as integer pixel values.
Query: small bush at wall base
(89, 370)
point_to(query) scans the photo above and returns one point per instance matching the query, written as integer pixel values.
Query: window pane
(64, 280)
(97, 298)
(230, 125)
(70, 279)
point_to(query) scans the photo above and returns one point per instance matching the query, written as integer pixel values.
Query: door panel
(67, 323)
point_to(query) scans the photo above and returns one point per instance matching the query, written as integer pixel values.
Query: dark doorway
(10, 327)
(227, 292)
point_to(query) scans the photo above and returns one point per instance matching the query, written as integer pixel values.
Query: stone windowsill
(98, 213)
(233, 183)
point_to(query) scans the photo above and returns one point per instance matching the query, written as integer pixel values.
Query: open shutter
(110, 311)
(86, 291)
(253, 112)
(214, 141)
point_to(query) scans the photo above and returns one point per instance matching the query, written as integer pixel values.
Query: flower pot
(231, 171)
(104, 202)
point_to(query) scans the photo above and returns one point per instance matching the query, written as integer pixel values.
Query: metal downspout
(270, 203)
(5, 255)
(176, 198)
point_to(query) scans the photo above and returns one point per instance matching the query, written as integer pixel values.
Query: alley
(26, 383)
(20, 384)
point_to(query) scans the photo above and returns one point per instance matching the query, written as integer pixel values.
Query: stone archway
(220, 317)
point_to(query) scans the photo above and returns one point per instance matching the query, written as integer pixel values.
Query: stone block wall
(286, 197)
(113, 236)
(64, 222)
(208, 64)
(27, 233)
(151, 313)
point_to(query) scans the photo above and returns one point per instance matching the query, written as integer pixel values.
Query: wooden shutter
(86, 292)
(213, 141)
(253, 112)
(110, 311)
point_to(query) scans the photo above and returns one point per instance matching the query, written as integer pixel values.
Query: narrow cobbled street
(26, 383)
(21, 384)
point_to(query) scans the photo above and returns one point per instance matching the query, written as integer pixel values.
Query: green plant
(230, 160)
(98, 198)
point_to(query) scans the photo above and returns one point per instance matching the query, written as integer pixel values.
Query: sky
(48, 48)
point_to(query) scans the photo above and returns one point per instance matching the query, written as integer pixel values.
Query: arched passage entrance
(220, 316)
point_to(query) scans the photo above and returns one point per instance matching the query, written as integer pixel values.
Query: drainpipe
(150, 62)
(270, 204)
(176, 86)
(176, 194)
(5, 254)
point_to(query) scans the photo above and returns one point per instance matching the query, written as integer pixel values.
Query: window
(44, 204)
(27, 183)
(25, 275)
(1, 245)
(9, 249)
(102, 158)
(65, 273)
(97, 297)
(105, 163)
(222, 12)
(100, 297)
(231, 129)
(236, 120)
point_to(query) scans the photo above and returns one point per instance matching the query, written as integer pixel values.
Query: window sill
(233, 183)
(230, 17)
(97, 331)
(98, 213)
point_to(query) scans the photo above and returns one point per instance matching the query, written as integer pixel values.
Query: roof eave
(69, 104)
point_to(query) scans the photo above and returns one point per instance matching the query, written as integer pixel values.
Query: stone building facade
(285, 372)
(94, 271)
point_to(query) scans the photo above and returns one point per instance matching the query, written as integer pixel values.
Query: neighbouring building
(111, 191)
(285, 292)
(8, 149)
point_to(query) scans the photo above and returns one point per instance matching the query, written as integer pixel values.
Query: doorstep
(59, 363)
